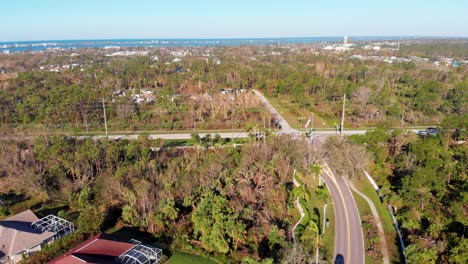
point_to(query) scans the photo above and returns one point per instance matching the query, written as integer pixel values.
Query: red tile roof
(98, 249)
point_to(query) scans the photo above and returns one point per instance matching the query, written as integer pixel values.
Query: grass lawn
(328, 236)
(364, 186)
(297, 117)
(183, 258)
(364, 209)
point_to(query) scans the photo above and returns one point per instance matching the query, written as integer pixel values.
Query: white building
(25, 234)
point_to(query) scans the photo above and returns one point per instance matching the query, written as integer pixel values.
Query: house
(104, 248)
(3, 70)
(232, 91)
(24, 234)
(144, 96)
(227, 91)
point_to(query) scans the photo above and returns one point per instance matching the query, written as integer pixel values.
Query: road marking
(328, 171)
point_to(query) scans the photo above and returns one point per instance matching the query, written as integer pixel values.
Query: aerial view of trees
(222, 202)
(187, 94)
(236, 202)
(424, 180)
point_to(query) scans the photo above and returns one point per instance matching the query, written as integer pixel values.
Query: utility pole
(105, 118)
(317, 249)
(324, 217)
(402, 118)
(342, 116)
(86, 122)
(312, 122)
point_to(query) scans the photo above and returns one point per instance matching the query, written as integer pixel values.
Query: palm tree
(311, 232)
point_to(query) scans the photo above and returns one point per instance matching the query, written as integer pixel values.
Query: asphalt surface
(181, 136)
(285, 127)
(170, 136)
(349, 240)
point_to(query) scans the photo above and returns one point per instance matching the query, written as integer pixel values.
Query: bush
(4, 212)
(57, 248)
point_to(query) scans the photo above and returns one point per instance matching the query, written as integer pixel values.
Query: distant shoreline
(240, 38)
(43, 45)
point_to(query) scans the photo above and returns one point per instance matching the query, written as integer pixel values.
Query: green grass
(364, 186)
(364, 209)
(328, 237)
(183, 258)
(292, 113)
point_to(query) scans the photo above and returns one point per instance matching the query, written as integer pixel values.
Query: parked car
(430, 131)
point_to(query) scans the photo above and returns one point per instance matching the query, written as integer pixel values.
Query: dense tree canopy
(425, 180)
(218, 201)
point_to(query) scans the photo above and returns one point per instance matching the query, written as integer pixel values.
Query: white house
(24, 234)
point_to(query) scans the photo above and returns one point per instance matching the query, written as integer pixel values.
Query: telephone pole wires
(342, 116)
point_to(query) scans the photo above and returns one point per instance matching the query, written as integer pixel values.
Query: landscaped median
(310, 200)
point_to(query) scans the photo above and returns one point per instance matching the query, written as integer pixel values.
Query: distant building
(3, 70)
(340, 47)
(232, 91)
(144, 96)
(25, 234)
(104, 248)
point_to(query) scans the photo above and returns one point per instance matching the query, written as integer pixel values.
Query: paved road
(285, 127)
(349, 240)
(348, 231)
(375, 213)
(171, 136)
(318, 135)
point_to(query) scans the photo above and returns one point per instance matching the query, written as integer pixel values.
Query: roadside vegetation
(210, 199)
(223, 203)
(424, 181)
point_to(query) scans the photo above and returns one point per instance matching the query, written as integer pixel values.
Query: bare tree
(296, 254)
(361, 95)
(347, 158)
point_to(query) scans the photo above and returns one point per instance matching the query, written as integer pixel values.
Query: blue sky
(98, 19)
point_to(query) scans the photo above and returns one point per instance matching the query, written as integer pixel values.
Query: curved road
(349, 240)
(348, 230)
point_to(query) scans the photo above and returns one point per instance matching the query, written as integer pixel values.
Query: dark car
(430, 131)
(339, 259)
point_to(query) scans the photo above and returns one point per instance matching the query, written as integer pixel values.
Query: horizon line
(238, 38)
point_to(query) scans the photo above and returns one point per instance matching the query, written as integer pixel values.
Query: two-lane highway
(349, 240)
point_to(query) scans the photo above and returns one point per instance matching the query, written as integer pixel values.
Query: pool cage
(52, 223)
(141, 254)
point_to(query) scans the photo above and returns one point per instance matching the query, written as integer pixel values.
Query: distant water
(25, 46)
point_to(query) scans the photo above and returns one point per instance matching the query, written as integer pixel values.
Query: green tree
(216, 225)
(417, 255)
